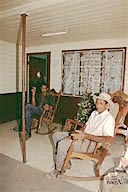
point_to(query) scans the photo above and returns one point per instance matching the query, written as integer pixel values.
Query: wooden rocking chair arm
(75, 122)
(69, 122)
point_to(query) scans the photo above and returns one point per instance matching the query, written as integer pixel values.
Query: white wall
(8, 61)
(8, 67)
(56, 57)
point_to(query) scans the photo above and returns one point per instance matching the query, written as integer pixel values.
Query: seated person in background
(42, 102)
(100, 123)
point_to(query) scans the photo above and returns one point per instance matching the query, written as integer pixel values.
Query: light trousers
(63, 143)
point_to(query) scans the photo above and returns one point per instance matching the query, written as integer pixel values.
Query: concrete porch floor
(39, 155)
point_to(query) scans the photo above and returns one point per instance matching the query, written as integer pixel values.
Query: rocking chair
(122, 99)
(47, 116)
(98, 154)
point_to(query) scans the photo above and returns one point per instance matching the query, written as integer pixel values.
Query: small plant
(86, 106)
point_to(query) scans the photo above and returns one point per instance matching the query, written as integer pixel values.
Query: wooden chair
(122, 99)
(97, 155)
(101, 145)
(47, 116)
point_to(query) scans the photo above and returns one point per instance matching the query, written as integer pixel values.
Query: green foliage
(86, 106)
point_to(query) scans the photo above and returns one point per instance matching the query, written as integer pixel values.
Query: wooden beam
(23, 16)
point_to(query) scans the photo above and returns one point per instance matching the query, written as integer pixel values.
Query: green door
(39, 71)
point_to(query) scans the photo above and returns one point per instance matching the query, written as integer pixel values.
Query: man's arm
(82, 135)
(33, 96)
(99, 139)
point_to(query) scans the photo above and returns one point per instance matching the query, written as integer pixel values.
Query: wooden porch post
(23, 16)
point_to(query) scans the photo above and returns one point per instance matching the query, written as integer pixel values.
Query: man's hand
(33, 90)
(46, 107)
(50, 107)
(79, 135)
(68, 137)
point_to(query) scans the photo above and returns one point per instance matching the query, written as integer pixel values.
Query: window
(93, 70)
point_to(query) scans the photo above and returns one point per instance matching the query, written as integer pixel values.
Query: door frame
(49, 69)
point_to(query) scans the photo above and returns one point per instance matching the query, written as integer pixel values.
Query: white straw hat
(105, 97)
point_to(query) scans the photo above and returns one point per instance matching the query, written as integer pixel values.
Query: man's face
(101, 105)
(38, 74)
(43, 88)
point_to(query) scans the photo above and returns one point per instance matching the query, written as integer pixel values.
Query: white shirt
(100, 124)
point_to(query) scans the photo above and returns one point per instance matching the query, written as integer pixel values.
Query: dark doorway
(38, 64)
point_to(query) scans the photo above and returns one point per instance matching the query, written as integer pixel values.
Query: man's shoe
(16, 129)
(53, 174)
(119, 169)
(28, 135)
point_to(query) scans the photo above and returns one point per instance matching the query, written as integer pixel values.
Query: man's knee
(56, 137)
(60, 148)
(64, 145)
(28, 107)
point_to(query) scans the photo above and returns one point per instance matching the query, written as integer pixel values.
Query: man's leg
(62, 144)
(62, 150)
(29, 111)
(57, 136)
(63, 147)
